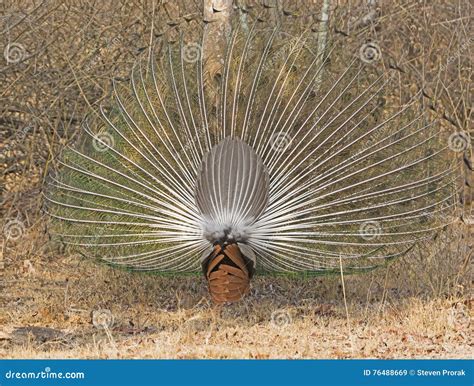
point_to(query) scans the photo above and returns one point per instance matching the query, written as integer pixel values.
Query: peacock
(295, 161)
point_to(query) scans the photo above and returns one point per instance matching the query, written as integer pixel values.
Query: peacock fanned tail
(299, 164)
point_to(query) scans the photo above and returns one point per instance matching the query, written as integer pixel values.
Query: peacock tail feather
(311, 166)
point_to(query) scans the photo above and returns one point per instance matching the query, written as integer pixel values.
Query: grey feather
(231, 190)
(317, 171)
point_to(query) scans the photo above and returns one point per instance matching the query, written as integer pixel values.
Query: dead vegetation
(58, 59)
(60, 306)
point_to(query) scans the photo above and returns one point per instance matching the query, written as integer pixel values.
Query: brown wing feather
(227, 283)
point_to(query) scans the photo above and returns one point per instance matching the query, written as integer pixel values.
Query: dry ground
(56, 306)
(418, 307)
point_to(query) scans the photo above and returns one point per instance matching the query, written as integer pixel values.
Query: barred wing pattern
(355, 174)
(231, 191)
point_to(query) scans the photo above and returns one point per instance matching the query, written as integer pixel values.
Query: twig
(349, 333)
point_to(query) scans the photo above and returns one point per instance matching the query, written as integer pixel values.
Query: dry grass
(418, 307)
(402, 311)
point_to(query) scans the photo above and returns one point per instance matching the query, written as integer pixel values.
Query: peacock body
(292, 166)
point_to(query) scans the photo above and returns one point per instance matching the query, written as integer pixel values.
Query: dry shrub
(58, 61)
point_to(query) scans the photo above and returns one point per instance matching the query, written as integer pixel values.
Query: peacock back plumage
(305, 160)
